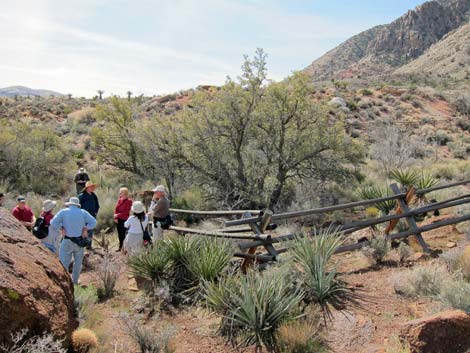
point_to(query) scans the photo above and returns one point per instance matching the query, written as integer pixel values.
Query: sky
(161, 46)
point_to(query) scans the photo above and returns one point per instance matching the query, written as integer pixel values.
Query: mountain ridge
(384, 48)
(24, 91)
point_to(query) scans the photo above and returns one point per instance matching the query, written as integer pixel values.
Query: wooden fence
(254, 226)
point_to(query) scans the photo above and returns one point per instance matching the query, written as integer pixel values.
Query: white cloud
(151, 46)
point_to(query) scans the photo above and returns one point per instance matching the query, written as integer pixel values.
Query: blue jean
(67, 249)
(90, 236)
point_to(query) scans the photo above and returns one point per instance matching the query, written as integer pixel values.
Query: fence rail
(254, 228)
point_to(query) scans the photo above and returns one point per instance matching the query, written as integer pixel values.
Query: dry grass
(84, 340)
(299, 337)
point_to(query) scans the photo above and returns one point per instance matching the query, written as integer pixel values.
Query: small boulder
(36, 293)
(444, 332)
(337, 102)
(451, 244)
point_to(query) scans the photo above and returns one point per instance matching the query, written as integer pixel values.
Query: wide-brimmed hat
(82, 170)
(21, 199)
(88, 184)
(48, 205)
(159, 188)
(137, 207)
(74, 201)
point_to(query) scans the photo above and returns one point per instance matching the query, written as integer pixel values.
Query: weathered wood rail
(253, 226)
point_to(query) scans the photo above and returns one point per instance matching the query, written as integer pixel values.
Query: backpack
(40, 230)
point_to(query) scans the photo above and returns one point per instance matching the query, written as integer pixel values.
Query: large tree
(248, 141)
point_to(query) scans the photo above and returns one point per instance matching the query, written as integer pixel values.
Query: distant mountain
(26, 91)
(383, 49)
(448, 58)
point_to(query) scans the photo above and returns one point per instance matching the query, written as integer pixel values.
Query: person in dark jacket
(80, 180)
(89, 202)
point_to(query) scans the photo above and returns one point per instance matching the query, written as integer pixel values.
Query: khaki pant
(157, 232)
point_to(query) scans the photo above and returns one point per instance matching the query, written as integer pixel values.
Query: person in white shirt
(135, 225)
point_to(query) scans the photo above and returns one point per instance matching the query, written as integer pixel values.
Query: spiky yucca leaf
(376, 192)
(406, 178)
(426, 180)
(320, 282)
(152, 264)
(210, 259)
(253, 307)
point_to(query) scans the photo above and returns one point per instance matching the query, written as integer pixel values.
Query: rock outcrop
(36, 292)
(444, 332)
(382, 49)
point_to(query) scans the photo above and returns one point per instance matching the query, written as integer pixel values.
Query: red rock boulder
(36, 292)
(445, 332)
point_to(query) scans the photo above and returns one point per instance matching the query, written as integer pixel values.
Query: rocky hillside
(21, 91)
(448, 58)
(384, 48)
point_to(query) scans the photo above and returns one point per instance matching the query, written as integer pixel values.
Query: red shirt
(47, 217)
(122, 209)
(25, 214)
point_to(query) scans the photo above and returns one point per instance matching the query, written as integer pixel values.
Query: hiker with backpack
(89, 202)
(80, 179)
(136, 228)
(23, 213)
(75, 223)
(160, 210)
(42, 230)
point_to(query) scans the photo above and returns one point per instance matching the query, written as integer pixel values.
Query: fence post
(258, 229)
(402, 202)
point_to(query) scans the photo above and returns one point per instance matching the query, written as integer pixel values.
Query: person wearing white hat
(135, 225)
(75, 222)
(52, 240)
(160, 211)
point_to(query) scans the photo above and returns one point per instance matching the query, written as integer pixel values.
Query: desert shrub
(404, 252)
(378, 248)
(320, 282)
(105, 217)
(84, 340)
(151, 264)
(458, 260)
(367, 92)
(41, 165)
(84, 300)
(464, 124)
(425, 180)
(21, 343)
(458, 149)
(148, 341)
(441, 138)
(462, 104)
(299, 337)
(422, 281)
(416, 103)
(372, 212)
(456, 294)
(253, 307)
(108, 273)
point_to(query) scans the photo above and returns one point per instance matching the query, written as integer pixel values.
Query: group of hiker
(70, 231)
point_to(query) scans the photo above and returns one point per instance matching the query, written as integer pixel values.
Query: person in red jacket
(121, 214)
(23, 213)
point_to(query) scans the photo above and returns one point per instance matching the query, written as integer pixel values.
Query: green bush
(253, 307)
(456, 294)
(366, 92)
(376, 192)
(425, 281)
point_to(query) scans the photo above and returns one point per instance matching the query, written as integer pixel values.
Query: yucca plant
(319, 281)
(253, 307)
(426, 180)
(179, 251)
(376, 192)
(406, 178)
(152, 265)
(211, 258)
